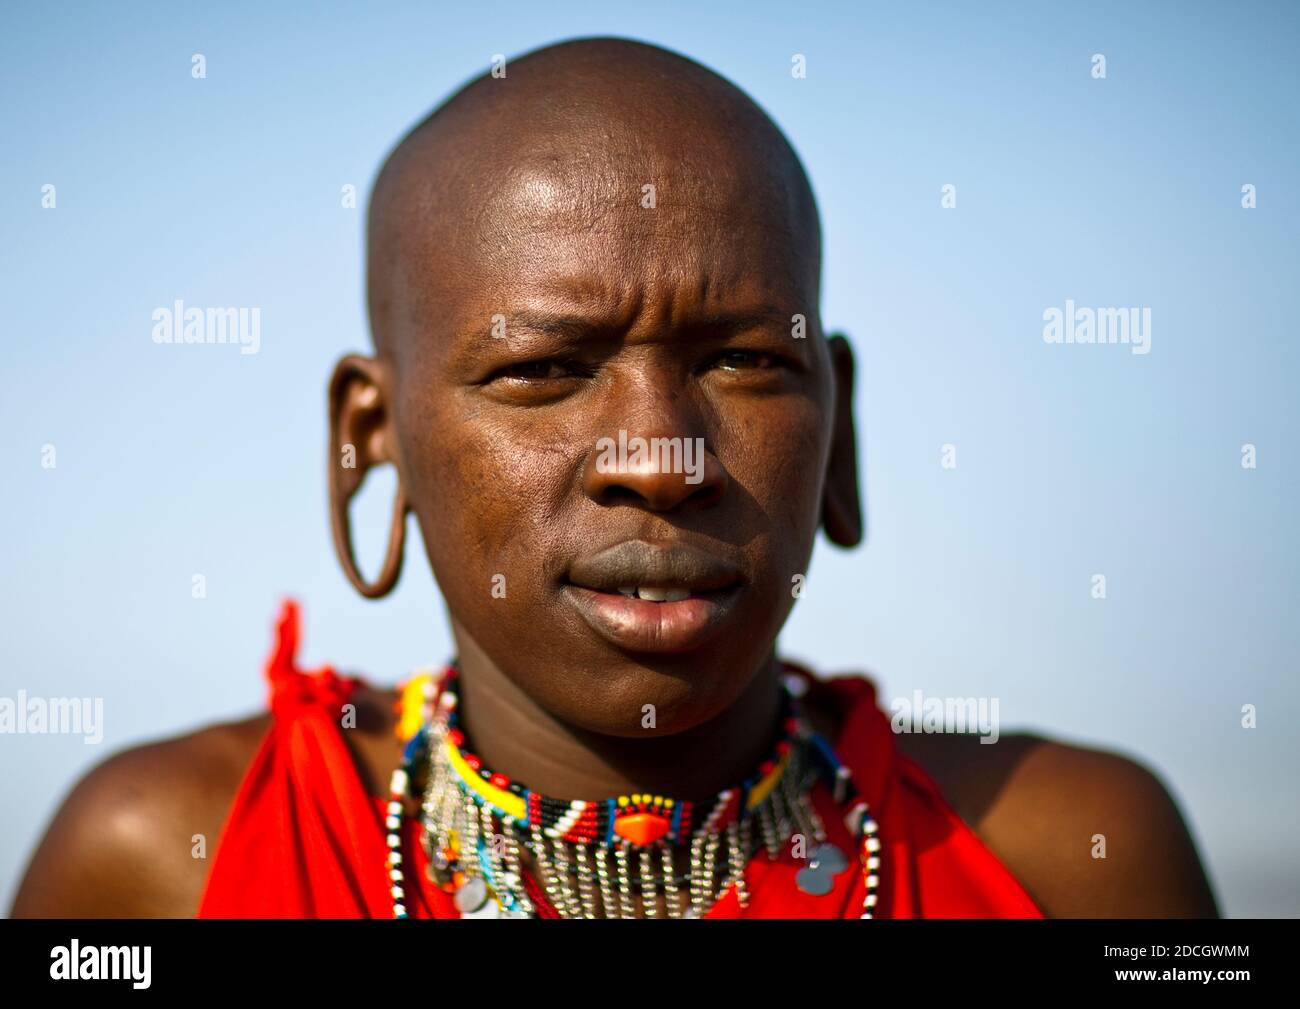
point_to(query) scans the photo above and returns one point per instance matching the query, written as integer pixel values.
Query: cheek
(779, 457)
(488, 504)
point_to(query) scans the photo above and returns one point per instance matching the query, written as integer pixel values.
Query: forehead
(631, 230)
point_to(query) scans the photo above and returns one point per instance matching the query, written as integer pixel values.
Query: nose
(659, 463)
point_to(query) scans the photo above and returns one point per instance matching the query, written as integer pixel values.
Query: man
(609, 246)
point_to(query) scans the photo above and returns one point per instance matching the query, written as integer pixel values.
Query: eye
(745, 360)
(535, 371)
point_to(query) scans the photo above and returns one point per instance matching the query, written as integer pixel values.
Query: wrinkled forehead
(617, 197)
(619, 223)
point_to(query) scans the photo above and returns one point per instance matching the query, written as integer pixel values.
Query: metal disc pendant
(815, 879)
(828, 856)
(472, 896)
(818, 876)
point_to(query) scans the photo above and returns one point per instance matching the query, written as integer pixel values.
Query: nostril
(616, 494)
(708, 494)
(660, 497)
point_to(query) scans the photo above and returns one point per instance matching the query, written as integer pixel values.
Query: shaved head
(572, 133)
(609, 245)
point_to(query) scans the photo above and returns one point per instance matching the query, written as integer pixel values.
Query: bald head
(574, 139)
(610, 244)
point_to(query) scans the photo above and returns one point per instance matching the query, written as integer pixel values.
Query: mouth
(642, 597)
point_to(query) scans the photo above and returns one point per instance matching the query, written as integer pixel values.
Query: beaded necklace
(476, 824)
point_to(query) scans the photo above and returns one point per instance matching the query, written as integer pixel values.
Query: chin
(631, 696)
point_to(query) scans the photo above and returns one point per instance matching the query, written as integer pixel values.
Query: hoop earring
(341, 527)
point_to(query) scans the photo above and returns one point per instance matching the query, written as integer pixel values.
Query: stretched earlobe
(841, 500)
(359, 438)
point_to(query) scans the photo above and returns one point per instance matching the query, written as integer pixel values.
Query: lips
(646, 597)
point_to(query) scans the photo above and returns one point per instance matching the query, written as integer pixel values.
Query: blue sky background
(975, 581)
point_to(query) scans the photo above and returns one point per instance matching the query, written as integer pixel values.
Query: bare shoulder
(121, 844)
(136, 835)
(1089, 833)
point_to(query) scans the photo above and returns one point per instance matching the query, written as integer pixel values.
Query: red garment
(303, 839)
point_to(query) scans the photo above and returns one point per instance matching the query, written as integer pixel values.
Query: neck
(515, 736)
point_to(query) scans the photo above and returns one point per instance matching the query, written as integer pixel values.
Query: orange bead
(641, 828)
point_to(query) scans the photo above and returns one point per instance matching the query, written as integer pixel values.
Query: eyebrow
(722, 324)
(570, 327)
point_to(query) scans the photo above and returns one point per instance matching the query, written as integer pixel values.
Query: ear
(359, 421)
(841, 502)
(362, 437)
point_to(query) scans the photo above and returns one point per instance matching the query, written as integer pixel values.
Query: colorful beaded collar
(636, 818)
(569, 832)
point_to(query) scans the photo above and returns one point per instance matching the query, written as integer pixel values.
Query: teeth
(631, 593)
(655, 595)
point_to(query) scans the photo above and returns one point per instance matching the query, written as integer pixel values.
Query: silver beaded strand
(454, 820)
